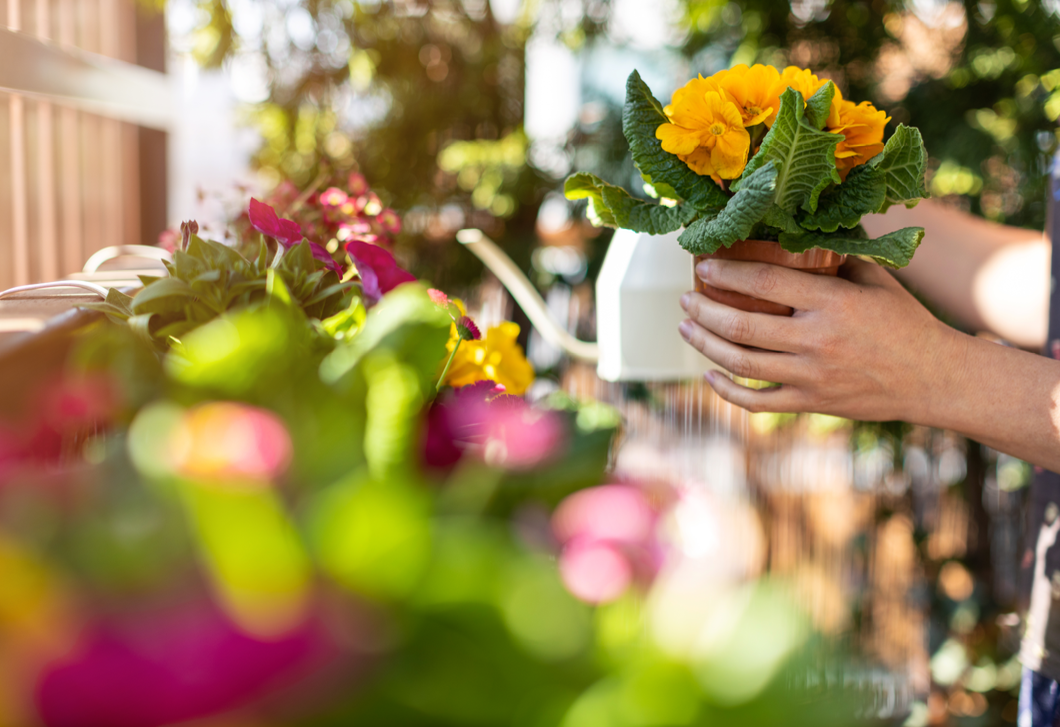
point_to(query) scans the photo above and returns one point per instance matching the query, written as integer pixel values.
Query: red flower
(378, 270)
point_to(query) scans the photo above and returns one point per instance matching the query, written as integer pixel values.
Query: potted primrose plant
(758, 164)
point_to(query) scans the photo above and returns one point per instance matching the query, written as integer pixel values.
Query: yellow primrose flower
(806, 83)
(862, 128)
(497, 357)
(753, 90)
(705, 131)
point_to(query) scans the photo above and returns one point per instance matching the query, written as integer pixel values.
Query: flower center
(717, 129)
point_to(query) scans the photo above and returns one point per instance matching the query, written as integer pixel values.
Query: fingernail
(685, 328)
(702, 269)
(684, 300)
(710, 376)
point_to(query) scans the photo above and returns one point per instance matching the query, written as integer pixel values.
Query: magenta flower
(265, 221)
(467, 330)
(286, 232)
(184, 663)
(500, 429)
(378, 270)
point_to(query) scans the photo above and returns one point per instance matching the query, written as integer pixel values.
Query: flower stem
(441, 379)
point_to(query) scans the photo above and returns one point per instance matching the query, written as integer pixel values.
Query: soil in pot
(816, 261)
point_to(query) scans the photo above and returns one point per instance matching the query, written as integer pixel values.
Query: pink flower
(333, 197)
(439, 298)
(609, 541)
(357, 184)
(168, 240)
(378, 270)
(265, 221)
(356, 228)
(231, 442)
(498, 428)
(389, 221)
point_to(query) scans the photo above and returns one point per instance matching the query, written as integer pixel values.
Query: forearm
(1003, 397)
(989, 277)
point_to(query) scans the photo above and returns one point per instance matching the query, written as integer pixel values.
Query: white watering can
(638, 307)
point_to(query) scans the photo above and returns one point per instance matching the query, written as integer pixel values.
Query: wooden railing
(83, 110)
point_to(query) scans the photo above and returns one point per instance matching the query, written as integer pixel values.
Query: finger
(780, 399)
(745, 362)
(792, 288)
(774, 333)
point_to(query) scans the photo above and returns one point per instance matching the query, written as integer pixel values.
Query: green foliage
(803, 154)
(738, 217)
(641, 116)
(614, 207)
(903, 162)
(209, 278)
(863, 192)
(895, 249)
(789, 191)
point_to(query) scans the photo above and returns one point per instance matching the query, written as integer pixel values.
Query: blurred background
(902, 544)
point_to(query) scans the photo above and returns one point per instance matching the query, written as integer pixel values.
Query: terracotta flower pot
(816, 261)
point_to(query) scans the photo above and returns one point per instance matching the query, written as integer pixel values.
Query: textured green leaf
(804, 156)
(819, 105)
(141, 326)
(746, 208)
(844, 205)
(903, 161)
(615, 207)
(162, 296)
(641, 117)
(894, 249)
(781, 220)
(146, 280)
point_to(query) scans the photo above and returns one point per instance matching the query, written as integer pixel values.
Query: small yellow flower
(706, 130)
(497, 357)
(753, 90)
(862, 128)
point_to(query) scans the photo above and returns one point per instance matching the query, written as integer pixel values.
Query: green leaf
(894, 249)
(120, 300)
(804, 156)
(113, 312)
(276, 289)
(903, 161)
(746, 208)
(186, 266)
(819, 105)
(332, 290)
(162, 296)
(844, 205)
(641, 117)
(781, 220)
(215, 254)
(148, 279)
(615, 207)
(141, 326)
(177, 329)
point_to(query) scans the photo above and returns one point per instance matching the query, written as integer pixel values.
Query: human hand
(858, 346)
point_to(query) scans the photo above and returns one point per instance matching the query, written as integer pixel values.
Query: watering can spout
(637, 307)
(524, 293)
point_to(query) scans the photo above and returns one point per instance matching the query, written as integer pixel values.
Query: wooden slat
(83, 80)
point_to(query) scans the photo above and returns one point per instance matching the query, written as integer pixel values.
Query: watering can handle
(526, 296)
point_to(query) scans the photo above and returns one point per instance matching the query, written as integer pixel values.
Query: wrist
(945, 380)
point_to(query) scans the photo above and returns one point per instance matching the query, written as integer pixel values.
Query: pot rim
(768, 251)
